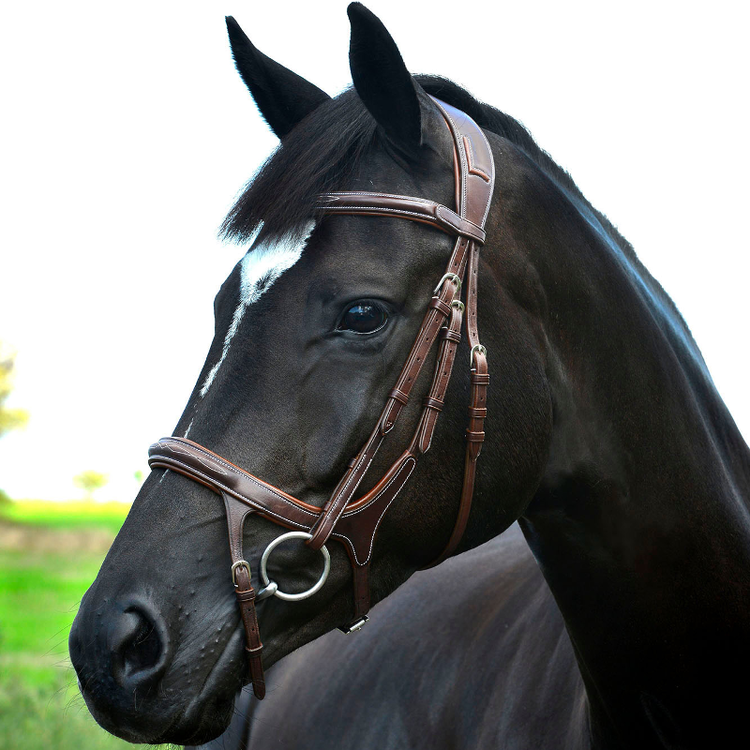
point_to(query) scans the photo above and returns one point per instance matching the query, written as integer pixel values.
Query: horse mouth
(209, 712)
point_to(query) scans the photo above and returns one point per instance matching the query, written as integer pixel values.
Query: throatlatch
(355, 522)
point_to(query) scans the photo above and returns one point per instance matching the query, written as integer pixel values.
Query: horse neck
(641, 522)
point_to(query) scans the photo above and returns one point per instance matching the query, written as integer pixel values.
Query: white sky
(126, 134)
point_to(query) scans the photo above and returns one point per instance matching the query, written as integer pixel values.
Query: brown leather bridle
(355, 522)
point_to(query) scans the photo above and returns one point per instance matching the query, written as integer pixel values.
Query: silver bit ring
(268, 585)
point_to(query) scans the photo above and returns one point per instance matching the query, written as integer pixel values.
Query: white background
(126, 135)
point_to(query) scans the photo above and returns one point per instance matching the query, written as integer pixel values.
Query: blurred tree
(10, 419)
(90, 482)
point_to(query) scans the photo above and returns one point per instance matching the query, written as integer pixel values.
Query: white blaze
(259, 269)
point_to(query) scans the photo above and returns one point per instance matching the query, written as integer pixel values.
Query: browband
(354, 522)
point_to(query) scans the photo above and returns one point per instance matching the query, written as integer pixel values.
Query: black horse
(605, 439)
(495, 669)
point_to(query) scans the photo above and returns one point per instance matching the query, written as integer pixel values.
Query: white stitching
(385, 195)
(334, 508)
(238, 472)
(239, 496)
(379, 209)
(374, 531)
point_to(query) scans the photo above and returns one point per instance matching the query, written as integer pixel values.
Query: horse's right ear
(282, 96)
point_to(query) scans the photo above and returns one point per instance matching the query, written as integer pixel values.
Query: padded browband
(403, 207)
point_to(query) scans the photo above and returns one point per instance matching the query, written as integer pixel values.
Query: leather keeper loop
(474, 437)
(480, 378)
(446, 333)
(399, 396)
(245, 595)
(478, 412)
(443, 307)
(433, 403)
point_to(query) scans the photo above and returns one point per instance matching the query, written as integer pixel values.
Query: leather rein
(354, 522)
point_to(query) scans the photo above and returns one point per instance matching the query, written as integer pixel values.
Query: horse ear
(282, 96)
(382, 81)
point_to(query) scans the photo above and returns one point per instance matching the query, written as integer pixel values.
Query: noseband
(354, 522)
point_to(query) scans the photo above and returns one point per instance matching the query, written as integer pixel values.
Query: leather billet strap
(355, 522)
(245, 593)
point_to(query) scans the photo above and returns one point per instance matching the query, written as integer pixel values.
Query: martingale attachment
(354, 522)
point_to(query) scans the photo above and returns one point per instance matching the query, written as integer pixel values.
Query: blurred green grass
(49, 555)
(74, 514)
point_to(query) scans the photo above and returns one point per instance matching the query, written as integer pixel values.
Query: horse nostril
(137, 647)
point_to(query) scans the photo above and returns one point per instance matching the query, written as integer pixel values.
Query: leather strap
(428, 334)
(475, 180)
(401, 206)
(236, 515)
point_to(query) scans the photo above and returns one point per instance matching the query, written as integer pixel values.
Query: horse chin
(208, 724)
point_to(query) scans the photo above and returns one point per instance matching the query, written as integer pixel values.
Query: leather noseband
(354, 522)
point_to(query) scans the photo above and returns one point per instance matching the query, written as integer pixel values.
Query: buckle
(454, 277)
(476, 348)
(355, 626)
(241, 564)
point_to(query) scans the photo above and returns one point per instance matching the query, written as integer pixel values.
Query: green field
(49, 554)
(76, 514)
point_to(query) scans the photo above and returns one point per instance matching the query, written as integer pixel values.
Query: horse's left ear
(387, 89)
(282, 96)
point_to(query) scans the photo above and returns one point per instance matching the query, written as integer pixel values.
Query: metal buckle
(355, 626)
(270, 588)
(476, 348)
(241, 564)
(454, 277)
(458, 305)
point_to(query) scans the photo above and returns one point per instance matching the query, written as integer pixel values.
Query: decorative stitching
(380, 518)
(473, 169)
(238, 472)
(172, 462)
(385, 195)
(336, 503)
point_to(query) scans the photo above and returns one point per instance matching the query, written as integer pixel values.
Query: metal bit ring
(267, 583)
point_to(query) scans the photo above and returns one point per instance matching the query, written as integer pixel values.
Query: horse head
(312, 329)
(394, 224)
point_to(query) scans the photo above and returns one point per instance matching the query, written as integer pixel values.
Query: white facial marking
(259, 269)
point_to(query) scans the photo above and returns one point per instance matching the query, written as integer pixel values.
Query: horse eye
(363, 317)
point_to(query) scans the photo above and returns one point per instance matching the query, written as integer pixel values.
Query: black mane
(325, 154)
(317, 158)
